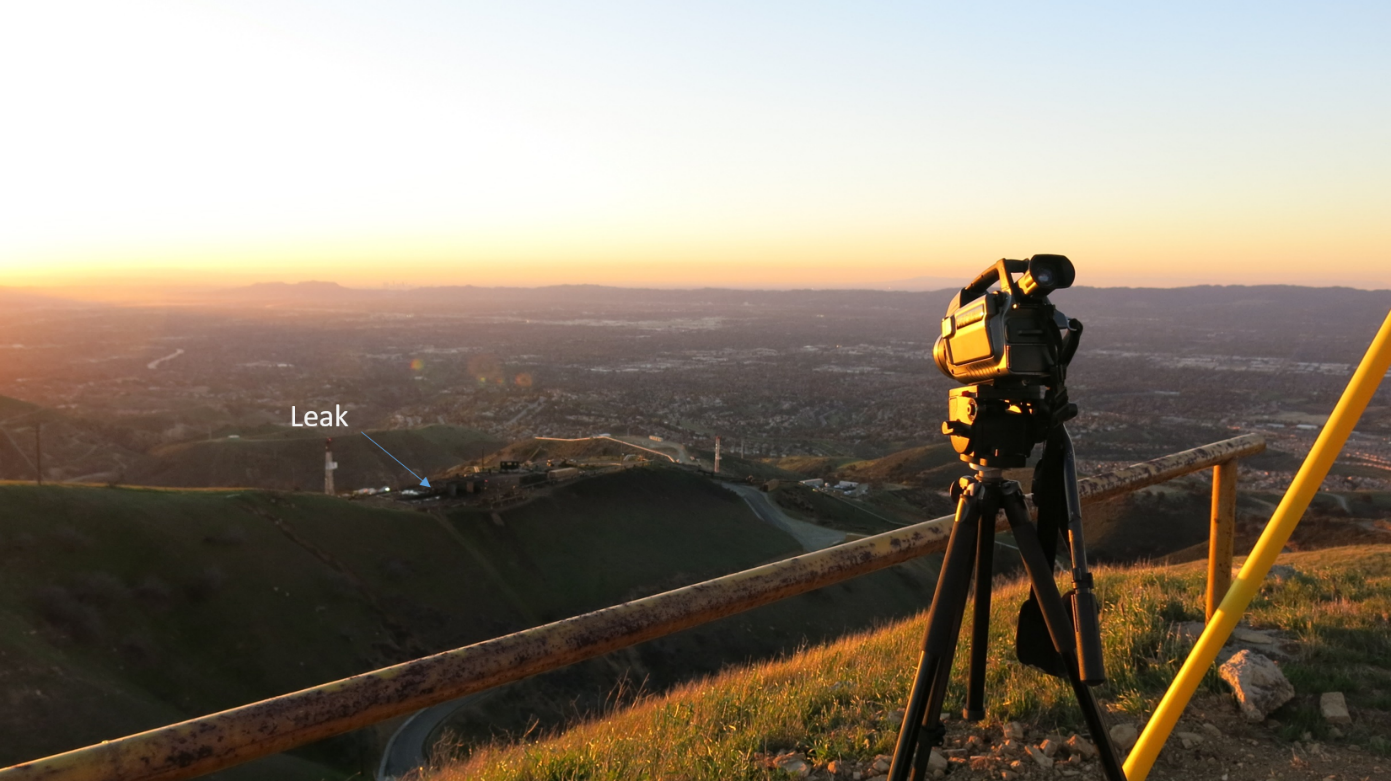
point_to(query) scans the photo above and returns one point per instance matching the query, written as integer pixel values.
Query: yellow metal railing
(219, 740)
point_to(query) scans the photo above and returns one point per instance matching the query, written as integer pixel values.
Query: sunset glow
(792, 145)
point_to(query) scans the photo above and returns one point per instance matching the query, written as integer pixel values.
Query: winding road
(408, 748)
(811, 536)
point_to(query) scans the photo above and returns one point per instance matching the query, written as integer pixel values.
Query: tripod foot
(973, 715)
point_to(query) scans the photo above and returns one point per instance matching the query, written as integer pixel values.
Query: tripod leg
(980, 626)
(922, 718)
(1059, 628)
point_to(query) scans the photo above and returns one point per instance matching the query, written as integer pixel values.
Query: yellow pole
(1306, 483)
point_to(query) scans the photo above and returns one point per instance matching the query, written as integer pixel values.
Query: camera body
(997, 334)
(1011, 348)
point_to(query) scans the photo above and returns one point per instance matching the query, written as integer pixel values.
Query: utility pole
(38, 453)
(329, 466)
(717, 455)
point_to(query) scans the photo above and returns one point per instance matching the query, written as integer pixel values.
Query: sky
(769, 144)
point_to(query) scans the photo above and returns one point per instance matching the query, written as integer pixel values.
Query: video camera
(1012, 347)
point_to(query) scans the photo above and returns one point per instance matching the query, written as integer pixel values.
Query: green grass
(835, 700)
(705, 531)
(123, 609)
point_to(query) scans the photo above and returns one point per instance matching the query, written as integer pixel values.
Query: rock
(1253, 636)
(1014, 731)
(1008, 775)
(1335, 733)
(1281, 573)
(1257, 682)
(1334, 708)
(1049, 747)
(980, 762)
(1124, 736)
(1187, 630)
(1043, 760)
(1079, 746)
(881, 764)
(1211, 730)
(836, 767)
(935, 761)
(1189, 739)
(794, 764)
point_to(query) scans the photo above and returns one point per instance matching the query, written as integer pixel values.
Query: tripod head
(997, 426)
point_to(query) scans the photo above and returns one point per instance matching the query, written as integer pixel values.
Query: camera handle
(1000, 272)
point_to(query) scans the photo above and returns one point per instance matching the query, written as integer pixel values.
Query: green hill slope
(73, 448)
(929, 466)
(123, 609)
(838, 701)
(292, 460)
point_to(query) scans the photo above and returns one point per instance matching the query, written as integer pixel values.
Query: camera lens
(1046, 273)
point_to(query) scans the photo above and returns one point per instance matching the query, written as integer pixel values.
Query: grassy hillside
(589, 449)
(737, 468)
(929, 466)
(123, 609)
(811, 466)
(822, 509)
(836, 701)
(289, 459)
(73, 448)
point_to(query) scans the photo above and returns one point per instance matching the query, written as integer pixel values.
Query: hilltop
(286, 459)
(840, 701)
(602, 449)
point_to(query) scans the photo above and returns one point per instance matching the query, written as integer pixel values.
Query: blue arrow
(425, 481)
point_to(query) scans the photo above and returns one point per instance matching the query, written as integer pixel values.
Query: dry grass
(834, 701)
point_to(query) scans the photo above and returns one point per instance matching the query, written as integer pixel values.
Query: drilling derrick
(329, 466)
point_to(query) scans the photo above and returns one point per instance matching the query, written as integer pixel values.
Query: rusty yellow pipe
(216, 741)
(1306, 483)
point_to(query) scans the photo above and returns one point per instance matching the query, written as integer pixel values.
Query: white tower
(329, 466)
(717, 455)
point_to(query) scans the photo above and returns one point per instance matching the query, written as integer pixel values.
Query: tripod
(1072, 647)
